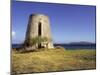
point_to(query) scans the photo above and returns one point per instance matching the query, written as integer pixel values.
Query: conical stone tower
(38, 27)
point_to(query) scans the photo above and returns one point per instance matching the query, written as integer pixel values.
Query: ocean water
(66, 46)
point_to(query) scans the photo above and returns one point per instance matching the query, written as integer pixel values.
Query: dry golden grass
(53, 60)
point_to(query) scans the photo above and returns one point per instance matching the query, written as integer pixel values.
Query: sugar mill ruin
(38, 34)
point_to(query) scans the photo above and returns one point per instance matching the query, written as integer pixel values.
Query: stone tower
(39, 26)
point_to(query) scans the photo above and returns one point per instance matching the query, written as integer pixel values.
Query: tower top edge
(39, 15)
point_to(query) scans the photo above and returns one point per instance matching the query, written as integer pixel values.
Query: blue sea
(74, 46)
(67, 46)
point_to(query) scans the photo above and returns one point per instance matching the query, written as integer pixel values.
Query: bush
(60, 47)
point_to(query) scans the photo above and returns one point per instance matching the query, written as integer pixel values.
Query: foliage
(39, 40)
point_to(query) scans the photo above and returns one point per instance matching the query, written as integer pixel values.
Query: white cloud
(13, 33)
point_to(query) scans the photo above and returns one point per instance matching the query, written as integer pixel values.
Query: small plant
(38, 40)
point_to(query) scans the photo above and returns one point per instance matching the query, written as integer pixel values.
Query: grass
(53, 60)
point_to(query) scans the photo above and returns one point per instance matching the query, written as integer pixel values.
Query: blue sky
(69, 23)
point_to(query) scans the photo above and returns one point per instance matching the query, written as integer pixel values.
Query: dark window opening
(39, 33)
(39, 29)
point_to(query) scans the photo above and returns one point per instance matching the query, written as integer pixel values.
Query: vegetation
(39, 40)
(53, 60)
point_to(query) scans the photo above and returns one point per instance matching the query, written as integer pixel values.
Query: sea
(67, 46)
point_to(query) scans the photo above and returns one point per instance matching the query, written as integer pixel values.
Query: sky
(69, 23)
